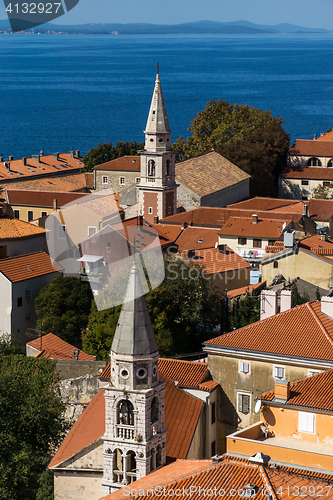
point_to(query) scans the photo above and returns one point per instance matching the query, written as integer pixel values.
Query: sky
(307, 13)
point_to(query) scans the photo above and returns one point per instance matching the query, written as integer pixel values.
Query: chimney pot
(286, 300)
(41, 153)
(36, 158)
(268, 303)
(281, 390)
(75, 354)
(11, 158)
(77, 153)
(7, 165)
(305, 209)
(156, 219)
(71, 153)
(56, 156)
(24, 161)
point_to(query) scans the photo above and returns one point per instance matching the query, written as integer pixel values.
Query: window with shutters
(244, 367)
(306, 422)
(279, 372)
(244, 403)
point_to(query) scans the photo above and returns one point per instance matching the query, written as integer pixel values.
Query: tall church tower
(157, 191)
(134, 439)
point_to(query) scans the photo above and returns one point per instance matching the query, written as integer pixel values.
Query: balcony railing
(125, 431)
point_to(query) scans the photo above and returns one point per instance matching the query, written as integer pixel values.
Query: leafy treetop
(106, 152)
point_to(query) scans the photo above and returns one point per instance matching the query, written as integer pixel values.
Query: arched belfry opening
(125, 413)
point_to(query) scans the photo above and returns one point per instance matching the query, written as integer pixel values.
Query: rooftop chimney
(75, 354)
(140, 221)
(1, 158)
(155, 219)
(254, 219)
(190, 254)
(327, 306)
(71, 153)
(288, 238)
(11, 158)
(184, 226)
(286, 300)
(260, 458)
(315, 136)
(56, 156)
(216, 459)
(36, 158)
(7, 165)
(305, 209)
(223, 248)
(41, 153)
(24, 161)
(323, 237)
(281, 390)
(268, 303)
(77, 153)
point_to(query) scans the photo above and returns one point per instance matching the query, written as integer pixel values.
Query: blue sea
(63, 91)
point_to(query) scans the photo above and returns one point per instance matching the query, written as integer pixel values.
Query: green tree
(63, 307)
(32, 424)
(106, 152)
(184, 310)
(299, 299)
(248, 137)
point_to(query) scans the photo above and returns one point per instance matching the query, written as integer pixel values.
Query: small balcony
(125, 432)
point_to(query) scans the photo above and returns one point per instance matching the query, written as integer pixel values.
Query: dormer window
(151, 168)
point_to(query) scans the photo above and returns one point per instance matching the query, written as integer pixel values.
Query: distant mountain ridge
(199, 27)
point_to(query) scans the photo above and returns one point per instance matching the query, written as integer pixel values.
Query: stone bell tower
(134, 439)
(157, 191)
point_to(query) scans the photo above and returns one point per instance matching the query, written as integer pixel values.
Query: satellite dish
(257, 406)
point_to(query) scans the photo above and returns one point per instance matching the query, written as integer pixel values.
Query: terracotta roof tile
(47, 165)
(186, 373)
(89, 427)
(328, 136)
(208, 173)
(53, 347)
(216, 217)
(303, 331)
(208, 386)
(197, 238)
(305, 147)
(310, 392)
(243, 226)
(213, 261)
(243, 290)
(317, 173)
(24, 267)
(125, 163)
(171, 232)
(11, 229)
(260, 203)
(229, 476)
(182, 412)
(40, 198)
(317, 245)
(68, 182)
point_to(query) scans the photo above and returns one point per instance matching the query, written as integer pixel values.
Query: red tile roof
(185, 373)
(304, 147)
(243, 226)
(213, 261)
(225, 479)
(47, 165)
(216, 217)
(182, 412)
(328, 136)
(51, 346)
(197, 238)
(302, 332)
(310, 392)
(125, 163)
(57, 182)
(40, 198)
(316, 245)
(243, 290)
(317, 173)
(89, 427)
(169, 231)
(25, 267)
(11, 229)
(208, 173)
(320, 210)
(181, 415)
(260, 203)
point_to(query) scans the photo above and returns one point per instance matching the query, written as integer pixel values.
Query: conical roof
(157, 122)
(134, 334)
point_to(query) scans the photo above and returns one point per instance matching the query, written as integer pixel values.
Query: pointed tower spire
(134, 334)
(158, 129)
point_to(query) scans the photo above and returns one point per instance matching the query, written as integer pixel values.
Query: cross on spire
(158, 68)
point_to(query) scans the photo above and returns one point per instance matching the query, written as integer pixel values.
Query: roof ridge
(267, 482)
(23, 255)
(319, 322)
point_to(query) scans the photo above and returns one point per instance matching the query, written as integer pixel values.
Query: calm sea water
(63, 91)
